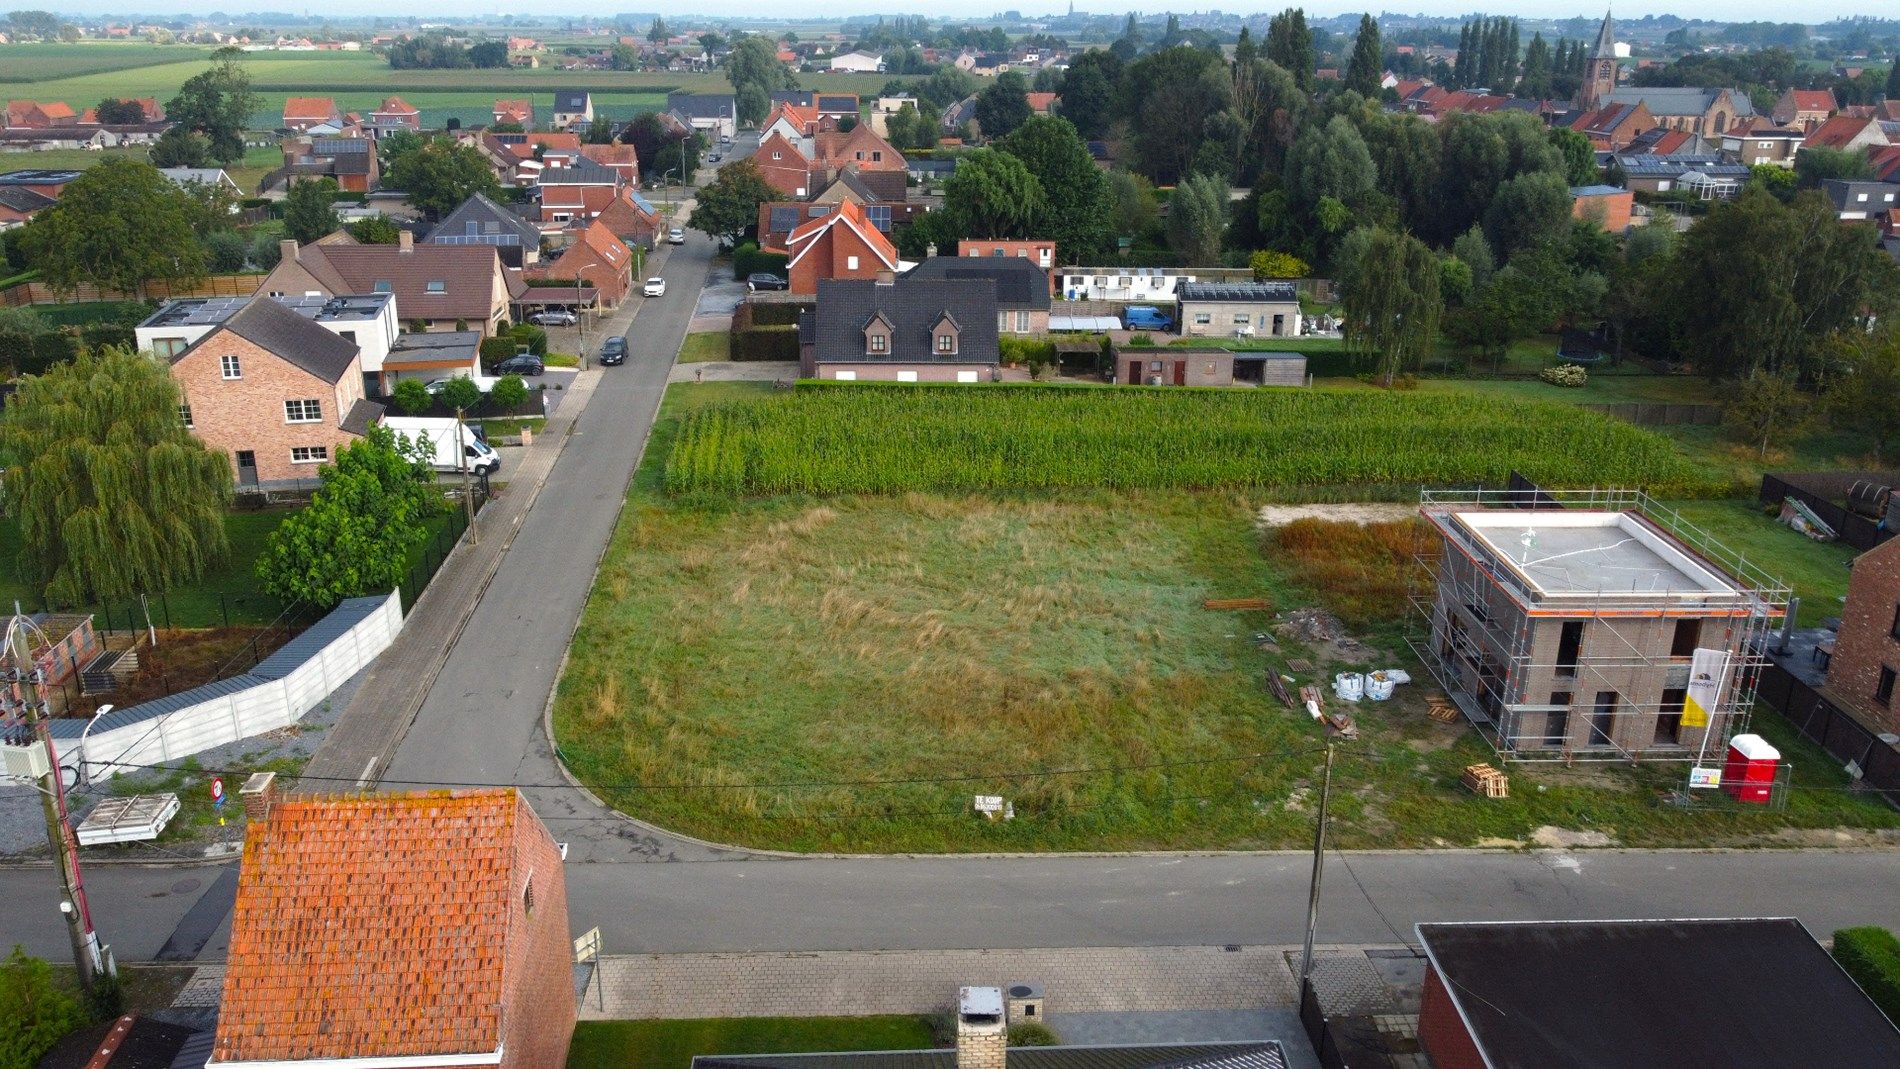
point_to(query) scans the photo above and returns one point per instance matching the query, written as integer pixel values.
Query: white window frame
(230, 367)
(294, 407)
(966, 376)
(184, 415)
(851, 262)
(313, 454)
(907, 376)
(845, 376)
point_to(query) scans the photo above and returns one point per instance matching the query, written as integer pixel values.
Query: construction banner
(1708, 669)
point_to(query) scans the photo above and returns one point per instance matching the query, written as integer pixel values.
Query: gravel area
(23, 824)
(1361, 513)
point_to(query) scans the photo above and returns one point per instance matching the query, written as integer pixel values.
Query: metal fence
(1823, 492)
(439, 547)
(1835, 730)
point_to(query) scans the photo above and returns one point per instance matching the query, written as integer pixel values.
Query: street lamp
(580, 318)
(666, 191)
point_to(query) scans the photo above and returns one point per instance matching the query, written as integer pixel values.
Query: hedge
(747, 259)
(495, 350)
(765, 343)
(776, 314)
(33, 354)
(1872, 957)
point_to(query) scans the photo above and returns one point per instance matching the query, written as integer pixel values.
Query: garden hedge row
(747, 259)
(775, 342)
(32, 354)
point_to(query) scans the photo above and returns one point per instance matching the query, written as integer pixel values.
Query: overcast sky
(1735, 10)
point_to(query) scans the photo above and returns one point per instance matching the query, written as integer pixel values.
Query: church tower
(1599, 76)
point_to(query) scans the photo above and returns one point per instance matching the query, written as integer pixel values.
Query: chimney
(257, 794)
(287, 250)
(886, 277)
(405, 241)
(982, 1035)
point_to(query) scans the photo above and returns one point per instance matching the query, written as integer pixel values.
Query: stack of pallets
(1486, 782)
(1441, 709)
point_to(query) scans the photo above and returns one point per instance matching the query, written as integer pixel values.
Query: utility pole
(1319, 866)
(468, 502)
(24, 696)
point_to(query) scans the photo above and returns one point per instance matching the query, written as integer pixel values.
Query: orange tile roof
(371, 926)
(851, 214)
(612, 155)
(1837, 132)
(1040, 103)
(309, 107)
(1813, 99)
(856, 147)
(396, 106)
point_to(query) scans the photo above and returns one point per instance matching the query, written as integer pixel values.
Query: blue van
(1147, 317)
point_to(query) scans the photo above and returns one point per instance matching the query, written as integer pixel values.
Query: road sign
(217, 790)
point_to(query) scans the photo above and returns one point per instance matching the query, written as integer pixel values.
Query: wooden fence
(1657, 414)
(213, 286)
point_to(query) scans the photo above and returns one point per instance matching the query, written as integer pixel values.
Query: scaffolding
(1488, 625)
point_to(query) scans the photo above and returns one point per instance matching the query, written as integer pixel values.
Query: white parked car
(676, 236)
(655, 287)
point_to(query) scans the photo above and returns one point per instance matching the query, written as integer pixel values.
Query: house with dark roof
(480, 221)
(1710, 177)
(1614, 127)
(1856, 202)
(572, 107)
(420, 929)
(1240, 309)
(19, 204)
(575, 194)
(1708, 112)
(437, 287)
(715, 113)
(351, 161)
(1022, 288)
(1643, 994)
(275, 391)
(367, 320)
(836, 105)
(892, 329)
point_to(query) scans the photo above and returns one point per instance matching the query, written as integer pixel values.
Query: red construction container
(1749, 773)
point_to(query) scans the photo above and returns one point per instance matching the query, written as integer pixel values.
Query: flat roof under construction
(1600, 554)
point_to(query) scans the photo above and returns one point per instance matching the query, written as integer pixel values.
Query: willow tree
(1391, 301)
(113, 496)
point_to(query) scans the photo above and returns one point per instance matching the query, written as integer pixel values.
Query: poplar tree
(1362, 74)
(113, 496)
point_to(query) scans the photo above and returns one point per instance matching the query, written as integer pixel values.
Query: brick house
(1804, 109)
(1607, 206)
(622, 159)
(367, 320)
(575, 194)
(784, 165)
(1866, 657)
(422, 929)
(1243, 309)
(302, 113)
(778, 218)
(631, 218)
(1022, 288)
(1709, 112)
(515, 111)
(1039, 251)
(33, 115)
(900, 330)
(19, 204)
(842, 244)
(393, 115)
(436, 286)
(1763, 146)
(1643, 993)
(597, 257)
(275, 391)
(1847, 133)
(1614, 127)
(351, 161)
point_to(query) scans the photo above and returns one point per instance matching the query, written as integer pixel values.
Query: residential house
(794, 121)
(1244, 309)
(393, 115)
(1140, 285)
(715, 113)
(631, 218)
(302, 114)
(1042, 103)
(515, 111)
(1862, 201)
(835, 105)
(988, 64)
(1846, 133)
(368, 321)
(1708, 112)
(572, 107)
(1039, 251)
(480, 221)
(958, 115)
(1862, 670)
(1661, 141)
(858, 63)
(1614, 127)
(841, 244)
(1885, 162)
(44, 181)
(427, 356)
(778, 218)
(1773, 147)
(571, 195)
(437, 287)
(1022, 288)
(784, 166)
(350, 161)
(594, 257)
(424, 929)
(276, 391)
(1710, 177)
(186, 177)
(881, 168)
(1575, 634)
(1639, 993)
(890, 329)
(622, 159)
(34, 115)
(983, 1020)
(1207, 365)
(1804, 109)
(19, 204)
(1607, 206)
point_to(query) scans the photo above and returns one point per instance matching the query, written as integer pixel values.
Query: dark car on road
(765, 280)
(613, 352)
(526, 364)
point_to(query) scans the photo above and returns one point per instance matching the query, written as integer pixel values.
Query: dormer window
(943, 336)
(877, 343)
(946, 344)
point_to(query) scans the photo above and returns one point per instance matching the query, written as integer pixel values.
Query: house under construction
(1593, 625)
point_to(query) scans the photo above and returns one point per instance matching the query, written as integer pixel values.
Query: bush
(1034, 353)
(494, 350)
(1141, 340)
(1033, 1034)
(531, 336)
(1872, 957)
(1572, 375)
(749, 315)
(265, 252)
(765, 343)
(461, 392)
(227, 252)
(509, 393)
(34, 1010)
(749, 259)
(411, 396)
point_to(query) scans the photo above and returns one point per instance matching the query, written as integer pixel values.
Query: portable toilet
(1749, 773)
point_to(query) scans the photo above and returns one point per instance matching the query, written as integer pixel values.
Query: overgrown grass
(80, 313)
(705, 345)
(672, 1044)
(1816, 571)
(1364, 572)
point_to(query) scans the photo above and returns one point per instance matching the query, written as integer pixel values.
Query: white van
(474, 456)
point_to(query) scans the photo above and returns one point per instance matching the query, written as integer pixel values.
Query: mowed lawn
(673, 1044)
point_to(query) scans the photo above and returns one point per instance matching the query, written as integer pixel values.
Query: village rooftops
(1236, 291)
(210, 311)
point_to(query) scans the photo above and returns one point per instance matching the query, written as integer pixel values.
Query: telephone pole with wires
(26, 741)
(1319, 868)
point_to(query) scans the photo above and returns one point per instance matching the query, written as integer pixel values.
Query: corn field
(879, 440)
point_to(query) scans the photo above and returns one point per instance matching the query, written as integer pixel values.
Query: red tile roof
(371, 926)
(850, 214)
(1837, 132)
(315, 109)
(396, 106)
(519, 111)
(1813, 99)
(1040, 103)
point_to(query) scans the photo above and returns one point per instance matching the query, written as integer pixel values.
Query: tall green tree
(1862, 399)
(1392, 306)
(657, 32)
(1766, 410)
(113, 496)
(1893, 80)
(370, 511)
(1003, 105)
(1579, 157)
(1133, 210)
(1074, 190)
(1527, 210)
(1168, 97)
(308, 211)
(1363, 71)
(179, 147)
(1816, 164)
(753, 63)
(1332, 161)
(115, 112)
(1089, 89)
(1197, 218)
(217, 103)
(1290, 44)
(36, 1010)
(1535, 83)
(442, 174)
(727, 208)
(991, 194)
(119, 225)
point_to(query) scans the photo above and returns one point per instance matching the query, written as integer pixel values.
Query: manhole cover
(183, 886)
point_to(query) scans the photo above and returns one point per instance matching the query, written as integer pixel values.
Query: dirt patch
(1556, 838)
(1348, 512)
(1324, 632)
(1838, 838)
(1491, 842)
(186, 659)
